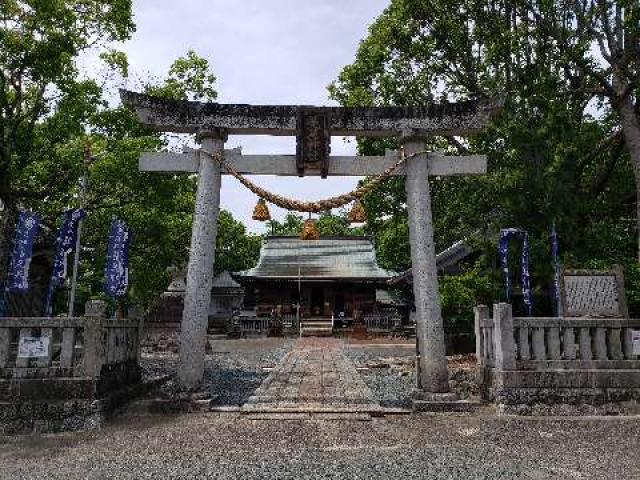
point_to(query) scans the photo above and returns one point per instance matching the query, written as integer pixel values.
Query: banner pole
(76, 253)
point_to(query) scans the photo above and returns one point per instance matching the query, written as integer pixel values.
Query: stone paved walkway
(314, 377)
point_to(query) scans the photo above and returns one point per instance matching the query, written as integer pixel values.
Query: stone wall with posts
(557, 365)
(88, 359)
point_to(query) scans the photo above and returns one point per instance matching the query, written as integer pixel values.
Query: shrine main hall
(334, 277)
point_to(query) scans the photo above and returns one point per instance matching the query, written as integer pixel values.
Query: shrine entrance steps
(316, 327)
(314, 378)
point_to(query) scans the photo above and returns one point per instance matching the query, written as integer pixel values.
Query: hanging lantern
(357, 213)
(261, 211)
(309, 230)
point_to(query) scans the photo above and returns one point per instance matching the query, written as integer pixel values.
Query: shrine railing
(254, 325)
(381, 322)
(557, 359)
(484, 329)
(554, 342)
(67, 357)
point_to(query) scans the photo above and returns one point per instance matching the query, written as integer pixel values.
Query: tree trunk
(631, 129)
(8, 219)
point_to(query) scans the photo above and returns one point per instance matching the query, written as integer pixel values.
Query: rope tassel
(357, 213)
(310, 230)
(261, 211)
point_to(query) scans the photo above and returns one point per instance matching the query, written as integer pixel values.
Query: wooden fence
(382, 322)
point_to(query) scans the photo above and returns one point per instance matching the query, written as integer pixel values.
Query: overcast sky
(262, 52)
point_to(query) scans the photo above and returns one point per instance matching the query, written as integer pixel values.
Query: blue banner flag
(26, 230)
(117, 268)
(525, 279)
(65, 244)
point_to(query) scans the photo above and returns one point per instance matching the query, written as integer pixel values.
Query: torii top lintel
(460, 118)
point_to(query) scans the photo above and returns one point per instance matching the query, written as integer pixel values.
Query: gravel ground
(233, 370)
(231, 446)
(391, 375)
(227, 446)
(234, 373)
(391, 387)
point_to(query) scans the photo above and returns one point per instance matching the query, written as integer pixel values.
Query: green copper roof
(331, 258)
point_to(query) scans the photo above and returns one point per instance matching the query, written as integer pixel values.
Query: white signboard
(33, 347)
(635, 341)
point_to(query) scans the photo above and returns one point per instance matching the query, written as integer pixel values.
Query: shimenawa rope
(319, 205)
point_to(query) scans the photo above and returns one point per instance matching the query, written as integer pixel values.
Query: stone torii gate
(313, 128)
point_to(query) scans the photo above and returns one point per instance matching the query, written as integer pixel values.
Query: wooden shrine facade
(333, 277)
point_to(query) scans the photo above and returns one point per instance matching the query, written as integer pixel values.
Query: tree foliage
(558, 152)
(235, 249)
(43, 104)
(157, 207)
(49, 112)
(328, 224)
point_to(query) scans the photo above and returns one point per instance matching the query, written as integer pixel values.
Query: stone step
(217, 336)
(316, 332)
(443, 406)
(363, 417)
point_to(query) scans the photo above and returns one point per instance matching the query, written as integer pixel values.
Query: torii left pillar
(193, 335)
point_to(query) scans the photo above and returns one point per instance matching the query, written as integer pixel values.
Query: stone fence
(561, 360)
(80, 363)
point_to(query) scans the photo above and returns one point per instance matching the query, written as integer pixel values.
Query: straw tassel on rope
(310, 230)
(357, 213)
(261, 211)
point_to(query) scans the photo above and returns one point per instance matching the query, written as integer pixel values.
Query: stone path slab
(313, 377)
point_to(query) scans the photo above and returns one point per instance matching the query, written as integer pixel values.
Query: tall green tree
(328, 224)
(158, 208)
(556, 152)
(612, 71)
(42, 102)
(290, 225)
(235, 249)
(46, 143)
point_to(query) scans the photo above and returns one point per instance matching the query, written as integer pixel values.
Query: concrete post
(94, 347)
(481, 314)
(503, 338)
(429, 329)
(193, 335)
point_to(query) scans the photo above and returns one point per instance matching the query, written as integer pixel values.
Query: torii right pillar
(434, 375)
